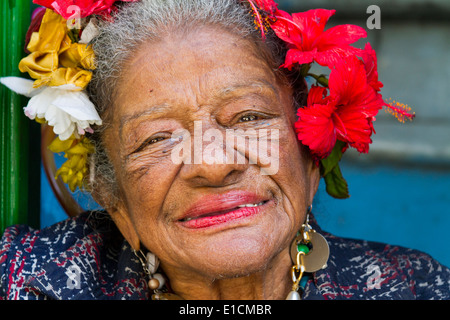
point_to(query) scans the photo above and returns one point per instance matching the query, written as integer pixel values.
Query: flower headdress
(341, 109)
(339, 113)
(61, 61)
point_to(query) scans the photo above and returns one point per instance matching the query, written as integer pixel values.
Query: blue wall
(408, 207)
(402, 206)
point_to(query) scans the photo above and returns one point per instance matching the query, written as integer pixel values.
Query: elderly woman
(192, 211)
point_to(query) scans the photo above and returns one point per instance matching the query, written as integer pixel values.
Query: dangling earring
(150, 264)
(309, 253)
(156, 282)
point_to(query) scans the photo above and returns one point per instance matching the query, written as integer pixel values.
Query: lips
(213, 210)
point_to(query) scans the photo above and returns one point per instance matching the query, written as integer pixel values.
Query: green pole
(17, 164)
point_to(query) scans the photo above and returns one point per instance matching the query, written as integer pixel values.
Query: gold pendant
(317, 256)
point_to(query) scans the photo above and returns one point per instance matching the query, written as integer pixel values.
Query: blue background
(402, 206)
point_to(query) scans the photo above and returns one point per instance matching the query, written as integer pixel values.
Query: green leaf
(305, 69)
(330, 162)
(320, 79)
(336, 185)
(74, 35)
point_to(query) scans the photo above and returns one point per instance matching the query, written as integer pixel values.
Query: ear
(123, 222)
(314, 181)
(118, 212)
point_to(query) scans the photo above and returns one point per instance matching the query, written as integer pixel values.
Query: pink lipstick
(214, 210)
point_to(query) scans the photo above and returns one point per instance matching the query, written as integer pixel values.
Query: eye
(248, 117)
(149, 141)
(154, 140)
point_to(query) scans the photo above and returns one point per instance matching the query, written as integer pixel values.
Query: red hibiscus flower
(67, 8)
(346, 114)
(266, 5)
(268, 8)
(401, 111)
(370, 63)
(398, 109)
(308, 42)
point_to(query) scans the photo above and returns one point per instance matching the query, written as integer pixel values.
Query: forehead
(190, 68)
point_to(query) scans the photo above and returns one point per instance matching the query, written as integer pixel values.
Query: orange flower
(54, 60)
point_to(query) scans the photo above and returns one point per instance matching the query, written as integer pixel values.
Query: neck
(273, 282)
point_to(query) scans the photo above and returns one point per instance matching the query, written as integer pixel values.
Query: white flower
(20, 86)
(89, 32)
(66, 108)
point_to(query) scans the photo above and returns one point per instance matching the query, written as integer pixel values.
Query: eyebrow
(223, 93)
(161, 108)
(254, 84)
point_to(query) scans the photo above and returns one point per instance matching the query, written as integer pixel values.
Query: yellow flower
(78, 55)
(54, 60)
(62, 76)
(52, 34)
(73, 171)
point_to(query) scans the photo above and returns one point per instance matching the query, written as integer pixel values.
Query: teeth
(251, 205)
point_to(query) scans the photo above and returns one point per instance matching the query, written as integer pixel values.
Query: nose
(212, 175)
(215, 161)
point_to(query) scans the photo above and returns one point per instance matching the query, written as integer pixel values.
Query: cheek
(292, 158)
(146, 188)
(293, 177)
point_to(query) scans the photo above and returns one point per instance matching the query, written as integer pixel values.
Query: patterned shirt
(86, 258)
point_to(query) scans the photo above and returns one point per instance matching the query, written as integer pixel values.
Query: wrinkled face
(182, 196)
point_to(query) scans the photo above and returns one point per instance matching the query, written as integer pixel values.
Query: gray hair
(150, 20)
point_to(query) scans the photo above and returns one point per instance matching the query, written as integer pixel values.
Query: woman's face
(200, 217)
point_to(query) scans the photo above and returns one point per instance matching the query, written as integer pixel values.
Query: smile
(250, 205)
(218, 210)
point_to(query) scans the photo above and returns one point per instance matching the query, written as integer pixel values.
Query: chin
(240, 255)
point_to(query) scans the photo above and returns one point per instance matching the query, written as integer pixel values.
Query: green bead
(303, 248)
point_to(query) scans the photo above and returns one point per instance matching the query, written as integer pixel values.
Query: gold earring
(309, 253)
